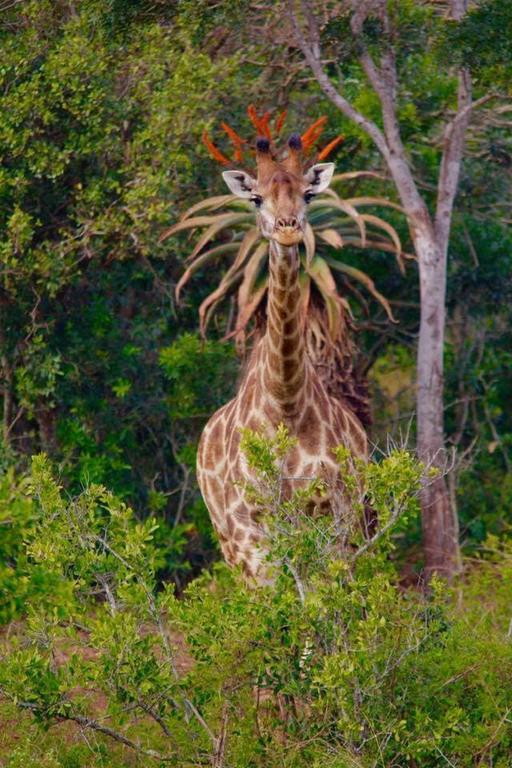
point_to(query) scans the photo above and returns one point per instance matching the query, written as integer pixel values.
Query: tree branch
(388, 143)
(157, 617)
(449, 173)
(156, 717)
(308, 49)
(471, 107)
(380, 533)
(87, 722)
(298, 582)
(314, 32)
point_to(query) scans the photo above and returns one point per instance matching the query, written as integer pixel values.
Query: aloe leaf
(349, 175)
(251, 272)
(250, 238)
(309, 243)
(322, 277)
(319, 270)
(222, 221)
(251, 304)
(336, 202)
(331, 237)
(363, 278)
(211, 203)
(197, 221)
(380, 201)
(378, 245)
(212, 300)
(392, 234)
(201, 260)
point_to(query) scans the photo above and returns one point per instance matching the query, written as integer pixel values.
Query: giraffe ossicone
(281, 384)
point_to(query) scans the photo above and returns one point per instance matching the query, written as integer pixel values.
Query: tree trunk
(440, 532)
(7, 399)
(439, 527)
(430, 235)
(46, 422)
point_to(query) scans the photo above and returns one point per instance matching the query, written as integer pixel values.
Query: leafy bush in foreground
(332, 665)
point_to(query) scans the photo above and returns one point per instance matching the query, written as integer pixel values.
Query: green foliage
(202, 20)
(332, 664)
(16, 521)
(197, 371)
(104, 107)
(487, 28)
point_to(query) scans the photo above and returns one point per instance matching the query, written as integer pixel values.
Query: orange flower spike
(306, 136)
(280, 121)
(318, 124)
(264, 128)
(330, 146)
(253, 116)
(260, 123)
(313, 132)
(236, 140)
(214, 152)
(311, 140)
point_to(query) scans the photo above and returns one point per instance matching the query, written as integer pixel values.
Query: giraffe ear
(319, 177)
(240, 183)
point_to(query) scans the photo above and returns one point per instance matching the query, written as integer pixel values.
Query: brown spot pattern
(280, 385)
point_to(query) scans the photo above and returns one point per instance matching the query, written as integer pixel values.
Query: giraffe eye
(308, 196)
(257, 200)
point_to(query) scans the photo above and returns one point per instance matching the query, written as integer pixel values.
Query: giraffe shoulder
(211, 451)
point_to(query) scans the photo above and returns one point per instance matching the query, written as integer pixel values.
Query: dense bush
(103, 109)
(332, 665)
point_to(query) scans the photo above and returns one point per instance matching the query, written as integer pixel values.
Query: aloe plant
(226, 228)
(334, 222)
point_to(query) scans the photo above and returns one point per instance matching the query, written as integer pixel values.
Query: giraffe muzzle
(287, 231)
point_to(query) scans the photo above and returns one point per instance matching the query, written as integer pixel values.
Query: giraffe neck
(284, 361)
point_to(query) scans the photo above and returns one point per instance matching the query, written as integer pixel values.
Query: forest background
(103, 107)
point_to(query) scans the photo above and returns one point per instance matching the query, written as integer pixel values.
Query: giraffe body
(281, 385)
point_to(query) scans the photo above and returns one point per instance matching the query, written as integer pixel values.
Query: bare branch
(458, 9)
(454, 137)
(94, 725)
(103, 580)
(463, 113)
(297, 579)
(157, 617)
(156, 717)
(449, 173)
(308, 49)
(314, 32)
(384, 82)
(10, 5)
(361, 8)
(380, 533)
(220, 747)
(373, 74)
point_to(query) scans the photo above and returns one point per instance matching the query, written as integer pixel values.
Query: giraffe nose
(291, 222)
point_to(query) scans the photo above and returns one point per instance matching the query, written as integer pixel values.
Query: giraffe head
(281, 190)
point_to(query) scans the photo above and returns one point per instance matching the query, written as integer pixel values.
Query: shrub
(333, 664)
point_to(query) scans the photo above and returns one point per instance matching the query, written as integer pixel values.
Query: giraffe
(281, 384)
